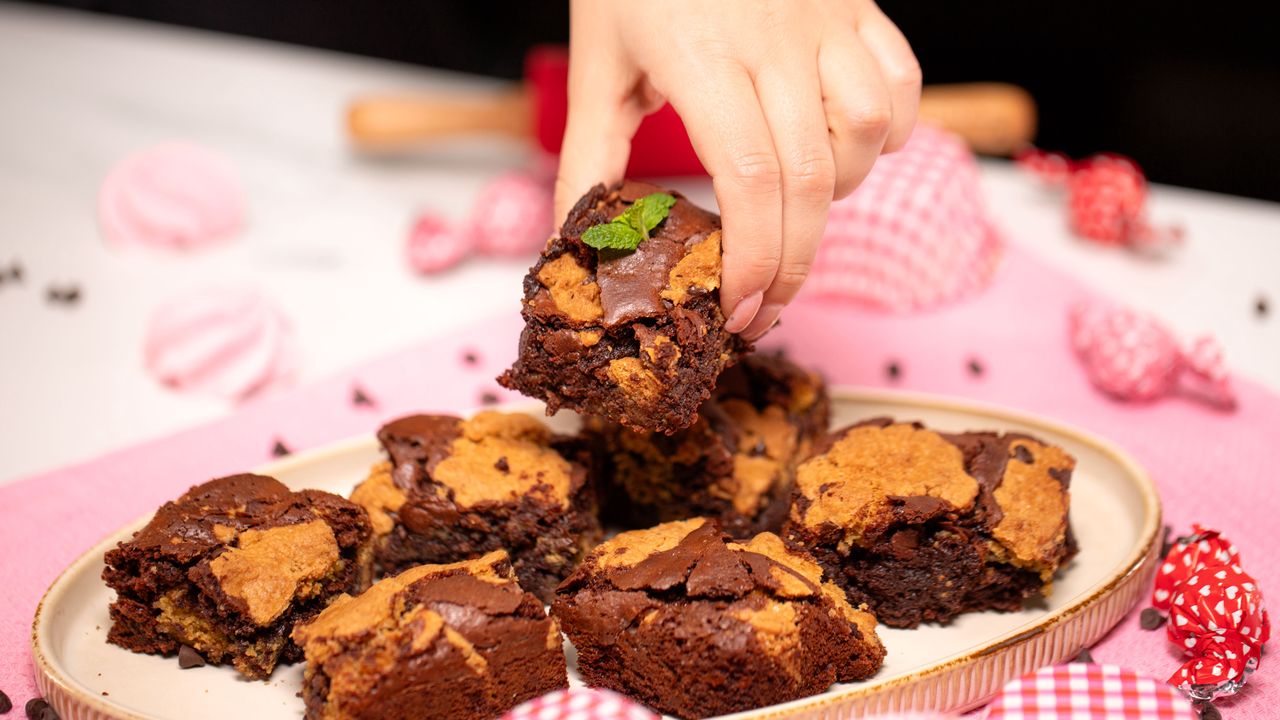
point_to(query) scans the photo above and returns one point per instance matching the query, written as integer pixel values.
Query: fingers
(791, 98)
(858, 106)
(900, 69)
(722, 113)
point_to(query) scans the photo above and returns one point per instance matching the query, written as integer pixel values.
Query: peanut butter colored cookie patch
(1034, 505)
(502, 457)
(698, 270)
(271, 567)
(572, 290)
(379, 496)
(629, 548)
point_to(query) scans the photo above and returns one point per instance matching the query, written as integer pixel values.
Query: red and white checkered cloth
(1088, 692)
(580, 704)
(915, 234)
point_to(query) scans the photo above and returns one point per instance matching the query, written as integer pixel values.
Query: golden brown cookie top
(270, 567)
(1033, 501)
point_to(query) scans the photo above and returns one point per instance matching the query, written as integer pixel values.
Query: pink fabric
(1212, 467)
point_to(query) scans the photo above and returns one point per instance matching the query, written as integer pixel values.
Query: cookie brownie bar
(735, 464)
(636, 337)
(453, 642)
(456, 489)
(922, 526)
(693, 624)
(230, 567)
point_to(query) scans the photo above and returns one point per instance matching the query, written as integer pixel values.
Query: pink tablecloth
(1210, 467)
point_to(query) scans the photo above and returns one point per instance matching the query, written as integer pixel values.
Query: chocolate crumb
(488, 398)
(188, 657)
(893, 370)
(975, 367)
(1150, 619)
(280, 449)
(1207, 710)
(35, 708)
(359, 397)
(502, 465)
(1261, 307)
(470, 358)
(1085, 656)
(1023, 454)
(5, 703)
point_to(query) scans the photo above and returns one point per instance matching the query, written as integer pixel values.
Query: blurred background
(1189, 90)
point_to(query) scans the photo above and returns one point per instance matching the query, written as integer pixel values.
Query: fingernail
(765, 319)
(743, 312)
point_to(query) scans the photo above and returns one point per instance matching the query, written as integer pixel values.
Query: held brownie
(636, 337)
(230, 567)
(736, 463)
(453, 642)
(693, 624)
(922, 526)
(456, 489)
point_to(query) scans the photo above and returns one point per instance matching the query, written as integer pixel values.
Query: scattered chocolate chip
(893, 370)
(502, 464)
(488, 398)
(359, 397)
(105, 693)
(1150, 619)
(35, 708)
(48, 713)
(5, 703)
(1085, 656)
(15, 272)
(975, 367)
(188, 657)
(1261, 307)
(470, 358)
(1023, 454)
(1165, 544)
(1207, 710)
(280, 449)
(69, 295)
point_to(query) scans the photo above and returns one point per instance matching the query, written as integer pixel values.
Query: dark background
(1190, 90)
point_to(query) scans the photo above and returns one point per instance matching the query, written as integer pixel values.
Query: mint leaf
(612, 235)
(653, 210)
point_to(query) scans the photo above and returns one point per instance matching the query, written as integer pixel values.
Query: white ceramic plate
(1114, 510)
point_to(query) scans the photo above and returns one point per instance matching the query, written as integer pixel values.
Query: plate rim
(60, 691)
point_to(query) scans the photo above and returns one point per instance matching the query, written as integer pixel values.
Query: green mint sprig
(633, 226)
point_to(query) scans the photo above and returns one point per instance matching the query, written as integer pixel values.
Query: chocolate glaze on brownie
(456, 489)
(687, 621)
(450, 642)
(230, 567)
(922, 526)
(736, 463)
(636, 337)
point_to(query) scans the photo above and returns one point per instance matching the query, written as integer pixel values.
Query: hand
(788, 103)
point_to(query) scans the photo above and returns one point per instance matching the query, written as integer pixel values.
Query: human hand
(787, 103)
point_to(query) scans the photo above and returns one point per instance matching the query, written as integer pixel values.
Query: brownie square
(636, 337)
(450, 642)
(691, 623)
(230, 567)
(736, 463)
(922, 526)
(457, 489)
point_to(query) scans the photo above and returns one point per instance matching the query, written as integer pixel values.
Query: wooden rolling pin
(994, 118)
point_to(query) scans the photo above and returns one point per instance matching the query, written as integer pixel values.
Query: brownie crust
(683, 619)
(457, 489)
(923, 526)
(461, 641)
(230, 567)
(635, 337)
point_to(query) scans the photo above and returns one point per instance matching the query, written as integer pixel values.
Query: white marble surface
(78, 92)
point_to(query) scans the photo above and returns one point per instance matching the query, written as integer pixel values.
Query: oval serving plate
(1114, 510)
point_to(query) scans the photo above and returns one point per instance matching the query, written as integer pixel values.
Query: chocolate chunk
(975, 367)
(470, 358)
(5, 703)
(188, 657)
(1085, 656)
(1150, 619)
(1207, 710)
(1023, 454)
(1261, 307)
(893, 370)
(503, 465)
(488, 398)
(280, 449)
(360, 398)
(35, 708)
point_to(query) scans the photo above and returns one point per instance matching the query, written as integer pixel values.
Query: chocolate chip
(48, 713)
(503, 465)
(1261, 307)
(69, 295)
(35, 708)
(470, 358)
(893, 370)
(1150, 619)
(1165, 544)
(280, 449)
(15, 272)
(359, 397)
(1085, 656)
(1207, 710)
(188, 657)
(488, 398)
(5, 703)
(975, 367)
(1023, 454)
